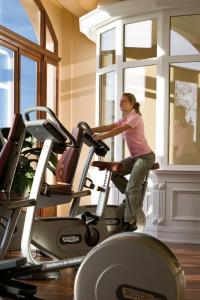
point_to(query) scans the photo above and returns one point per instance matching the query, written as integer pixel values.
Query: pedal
(89, 218)
(100, 189)
(89, 185)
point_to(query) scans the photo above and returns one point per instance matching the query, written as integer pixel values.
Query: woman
(137, 165)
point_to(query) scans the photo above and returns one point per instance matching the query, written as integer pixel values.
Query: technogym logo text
(70, 239)
(125, 292)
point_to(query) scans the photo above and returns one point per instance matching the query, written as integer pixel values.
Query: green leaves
(27, 165)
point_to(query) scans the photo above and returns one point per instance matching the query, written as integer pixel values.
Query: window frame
(170, 60)
(163, 61)
(119, 67)
(22, 46)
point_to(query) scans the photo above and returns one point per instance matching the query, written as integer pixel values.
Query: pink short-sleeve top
(134, 136)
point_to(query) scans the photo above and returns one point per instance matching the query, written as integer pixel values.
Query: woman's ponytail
(136, 106)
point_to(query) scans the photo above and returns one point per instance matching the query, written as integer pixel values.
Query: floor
(188, 256)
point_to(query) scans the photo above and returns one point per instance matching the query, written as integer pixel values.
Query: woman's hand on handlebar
(97, 137)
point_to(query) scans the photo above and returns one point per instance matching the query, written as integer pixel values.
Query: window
(51, 85)
(107, 48)
(141, 81)
(185, 35)
(184, 144)
(28, 83)
(6, 85)
(27, 43)
(157, 59)
(49, 40)
(140, 40)
(108, 107)
(22, 17)
(130, 67)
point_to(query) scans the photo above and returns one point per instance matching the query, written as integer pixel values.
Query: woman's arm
(104, 128)
(114, 131)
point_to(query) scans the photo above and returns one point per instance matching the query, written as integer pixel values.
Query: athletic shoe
(129, 227)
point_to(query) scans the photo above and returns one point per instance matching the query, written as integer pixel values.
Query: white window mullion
(184, 58)
(162, 105)
(139, 63)
(97, 117)
(118, 87)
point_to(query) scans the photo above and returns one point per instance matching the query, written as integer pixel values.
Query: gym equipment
(59, 237)
(15, 242)
(130, 266)
(9, 157)
(14, 268)
(113, 214)
(74, 235)
(114, 217)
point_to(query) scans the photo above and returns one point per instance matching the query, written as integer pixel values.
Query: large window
(27, 43)
(129, 67)
(184, 111)
(157, 58)
(184, 126)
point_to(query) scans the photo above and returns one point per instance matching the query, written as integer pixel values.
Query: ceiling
(81, 7)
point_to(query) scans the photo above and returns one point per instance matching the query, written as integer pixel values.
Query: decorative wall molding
(189, 209)
(172, 206)
(158, 203)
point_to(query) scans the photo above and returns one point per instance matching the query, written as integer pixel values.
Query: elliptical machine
(130, 266)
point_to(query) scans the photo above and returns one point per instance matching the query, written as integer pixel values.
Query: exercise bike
(130, 265)
(59, 238)
(113, 214)
(75, 235)
(5, 220)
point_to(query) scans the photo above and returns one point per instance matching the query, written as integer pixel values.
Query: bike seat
(60, 189)
(110, 166)
(116, 166)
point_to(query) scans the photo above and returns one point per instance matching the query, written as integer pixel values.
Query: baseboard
(174, 235)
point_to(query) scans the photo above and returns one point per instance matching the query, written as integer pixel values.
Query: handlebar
(38, 108)
(100, 147)
(47, 110)
(85, 125)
